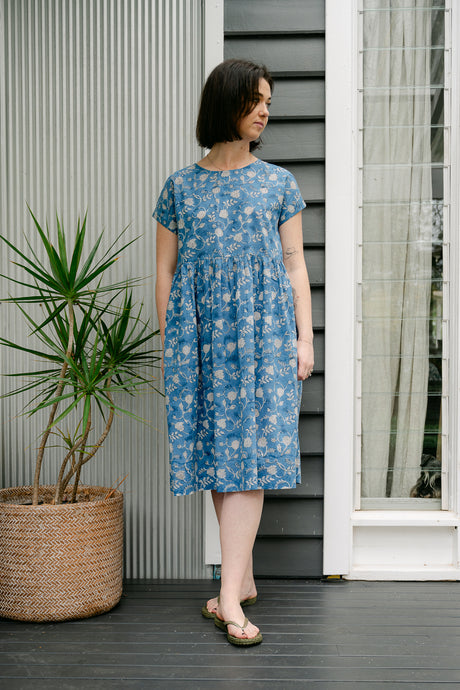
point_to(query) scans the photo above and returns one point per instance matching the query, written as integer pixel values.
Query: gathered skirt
(232, 394)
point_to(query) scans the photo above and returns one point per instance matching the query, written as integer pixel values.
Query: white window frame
(342, 521)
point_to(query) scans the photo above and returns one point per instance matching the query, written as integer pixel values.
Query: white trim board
(341, 220)
(382, 573)
(404, 518)
(454, 222)
(412, 551)
(213, 55)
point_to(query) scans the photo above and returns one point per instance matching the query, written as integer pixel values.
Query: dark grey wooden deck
(370, 636)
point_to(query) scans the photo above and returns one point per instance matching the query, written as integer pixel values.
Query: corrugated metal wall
(289, 37)
(98, 101)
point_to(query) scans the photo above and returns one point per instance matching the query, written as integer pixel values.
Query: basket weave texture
(60, 562)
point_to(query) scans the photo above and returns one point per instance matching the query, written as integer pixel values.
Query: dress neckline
(233, 170)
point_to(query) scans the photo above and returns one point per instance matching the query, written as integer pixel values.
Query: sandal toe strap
(237, 625)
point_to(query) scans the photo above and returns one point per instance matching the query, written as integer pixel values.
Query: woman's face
(252, 125)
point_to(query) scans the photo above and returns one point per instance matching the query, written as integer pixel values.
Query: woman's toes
(211, 605)
(247, 633)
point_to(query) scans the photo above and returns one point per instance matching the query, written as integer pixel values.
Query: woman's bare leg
(249, 586)
(240, 515)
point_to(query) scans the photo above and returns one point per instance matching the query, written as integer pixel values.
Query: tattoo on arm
(289, 252)
(296, 298)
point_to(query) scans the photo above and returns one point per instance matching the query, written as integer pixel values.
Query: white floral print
(232, 394)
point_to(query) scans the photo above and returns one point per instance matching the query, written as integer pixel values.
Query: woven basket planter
(59, 562)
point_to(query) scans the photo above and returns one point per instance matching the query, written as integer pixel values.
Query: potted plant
(61, 545)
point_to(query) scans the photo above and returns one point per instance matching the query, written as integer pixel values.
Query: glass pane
(410, 59)
(394, 183)
(403, 279)
(376, 100)
(379, 40)
(377, 155)
(388, 298)
(429, 214)
(379, 6)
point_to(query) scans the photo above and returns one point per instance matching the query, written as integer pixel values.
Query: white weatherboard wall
(98, 101)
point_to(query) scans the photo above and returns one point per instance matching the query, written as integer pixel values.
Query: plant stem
(76, 483)
(83, 460)
(58, 494)
(59, 389)
(60, 486)
(77, 468)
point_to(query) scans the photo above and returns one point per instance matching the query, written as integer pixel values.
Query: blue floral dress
(230, 355)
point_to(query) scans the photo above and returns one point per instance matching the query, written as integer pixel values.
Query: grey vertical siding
(98, 101)
(289, 38)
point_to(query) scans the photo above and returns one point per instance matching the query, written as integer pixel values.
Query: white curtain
(396, 285)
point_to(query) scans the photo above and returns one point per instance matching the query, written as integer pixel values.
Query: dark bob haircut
(230, 93)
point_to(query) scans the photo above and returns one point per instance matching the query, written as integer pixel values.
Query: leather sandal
(238, 641)
(245, 602)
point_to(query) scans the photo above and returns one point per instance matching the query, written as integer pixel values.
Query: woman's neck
(228, 156)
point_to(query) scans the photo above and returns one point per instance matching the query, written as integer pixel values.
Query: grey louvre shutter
(289, 38)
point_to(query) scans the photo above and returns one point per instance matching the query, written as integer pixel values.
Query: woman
(234, 308)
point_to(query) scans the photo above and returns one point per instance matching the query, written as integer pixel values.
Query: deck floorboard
(327, 636)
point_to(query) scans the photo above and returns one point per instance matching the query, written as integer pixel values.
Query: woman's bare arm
(293, 258)
(166, 262)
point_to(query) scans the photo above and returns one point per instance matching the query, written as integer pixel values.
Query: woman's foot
(240, 641)
(211, 606)
(234, 612)
(249, 593)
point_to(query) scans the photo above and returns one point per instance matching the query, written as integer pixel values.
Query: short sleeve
(292, 199)
(165, 210)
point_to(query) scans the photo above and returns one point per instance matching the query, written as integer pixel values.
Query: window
(402, 254)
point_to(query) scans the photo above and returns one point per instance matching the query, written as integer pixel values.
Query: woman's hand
(305, 359)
